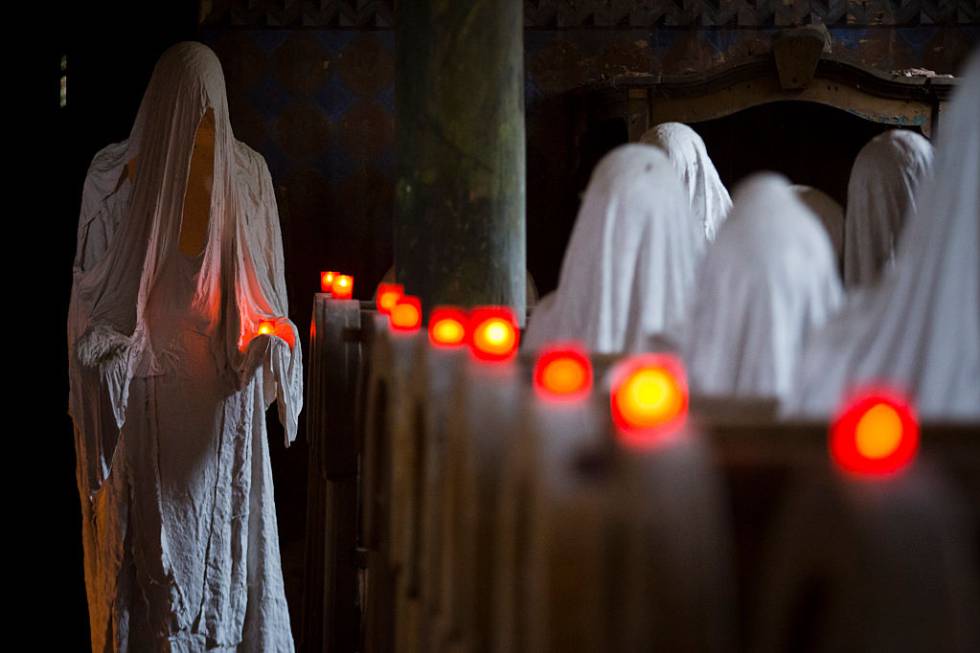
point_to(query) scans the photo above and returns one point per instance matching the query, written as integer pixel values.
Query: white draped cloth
(629, 269)
(880, 195)
(829, 212)
(169, 382)
(709, 199)
(918, 331)
(765, 285)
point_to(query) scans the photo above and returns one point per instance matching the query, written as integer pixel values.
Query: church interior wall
(315, 95)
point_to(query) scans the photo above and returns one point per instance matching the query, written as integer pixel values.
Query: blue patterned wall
(319, 105)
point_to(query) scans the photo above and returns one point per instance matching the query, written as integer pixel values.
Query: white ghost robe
(709, 199)
(169, 383)
(918, 330)
(828, 211)
(880, 195)
(629, 269)
(766, 284)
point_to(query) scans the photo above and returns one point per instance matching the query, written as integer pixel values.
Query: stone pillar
(459, 208)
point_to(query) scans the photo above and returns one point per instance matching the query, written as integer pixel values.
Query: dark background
(315, 95)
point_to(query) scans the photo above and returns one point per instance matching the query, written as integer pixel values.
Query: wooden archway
(642, 101)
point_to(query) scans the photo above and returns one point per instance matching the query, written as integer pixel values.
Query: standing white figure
(918, 330)
(179, 262)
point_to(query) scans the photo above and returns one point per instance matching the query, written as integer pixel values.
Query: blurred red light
(406, 314)
(493, 333)
(447, 327)
(387, 296)
(649, 399)
(343, 286)
(875, 434)
(563, 372)
(326, 281)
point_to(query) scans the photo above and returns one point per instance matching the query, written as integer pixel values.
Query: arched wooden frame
(646, 100)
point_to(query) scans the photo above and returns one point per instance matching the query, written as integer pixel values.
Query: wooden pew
(429, 398)
(330, 615)
(385, 475)
(799, 524)
(481, 425)
(858, 565)
(766, 465)
(610, 528)
(554, 513)
(493, 521)
(671, 532)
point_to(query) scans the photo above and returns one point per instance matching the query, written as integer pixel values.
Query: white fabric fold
(169, 382)
(880, 195)
(765, 285)
(918, 331)
(709, 199)
(830, 214)
(629, 268)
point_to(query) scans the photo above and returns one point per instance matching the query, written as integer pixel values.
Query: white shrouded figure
(918, 331)
(709, 199)
(828, 211)
(766, 284)
(881, 194)
(629, 268)
(179, 262)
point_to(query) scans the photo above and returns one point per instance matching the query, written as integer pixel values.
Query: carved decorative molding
(644, 100)
(364, 14)
(608, 14)
(745, 13)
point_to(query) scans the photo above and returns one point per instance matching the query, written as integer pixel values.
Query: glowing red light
(563, 372)
(342, 287)
(387, 296)
(267, 328)
(493, 333)
(447, 327)
(279, 327)
(876, 434)
(649, 399)
(406, 314)
(326, 281)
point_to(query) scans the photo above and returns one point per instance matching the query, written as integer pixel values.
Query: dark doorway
(812, 144)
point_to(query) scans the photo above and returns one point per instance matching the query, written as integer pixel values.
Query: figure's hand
(261, 346)
(280, 327)
(99, 345)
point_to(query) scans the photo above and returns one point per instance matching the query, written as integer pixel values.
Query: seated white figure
(709, 199)
(765, 285)
(629, 268)
(918, 330)
(881, 194)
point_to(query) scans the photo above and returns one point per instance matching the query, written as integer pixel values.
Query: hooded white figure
(629, 268)
(179, 262)
(709, 199)
(828, 211)
(918, 331)
(766, 284)
(880, 196)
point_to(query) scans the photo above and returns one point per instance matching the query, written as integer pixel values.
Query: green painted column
(459, 208)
